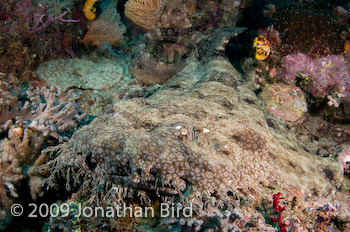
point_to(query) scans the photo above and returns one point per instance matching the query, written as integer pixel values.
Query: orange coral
(101, 31)
(107, 28)
(145, 13)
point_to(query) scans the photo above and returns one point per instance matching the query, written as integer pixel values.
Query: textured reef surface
(202, 138)
(233, 115)
(203, 130)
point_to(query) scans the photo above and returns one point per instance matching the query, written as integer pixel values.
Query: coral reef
(7, 98)
(52, 112)
(42, 117)
(31, 34)
(164, 118)
(203, 133)
(177, 14)
(202, 15)
(56, 7)
(326, 76)
(213, 14)
(20, 149)
(98, 83)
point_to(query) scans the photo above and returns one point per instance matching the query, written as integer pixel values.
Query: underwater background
(174, 115)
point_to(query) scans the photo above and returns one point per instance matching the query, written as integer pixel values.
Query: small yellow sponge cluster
(262, 47)
(89, 9)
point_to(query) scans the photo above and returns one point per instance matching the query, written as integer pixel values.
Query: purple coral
(326, 74)
(39, 25)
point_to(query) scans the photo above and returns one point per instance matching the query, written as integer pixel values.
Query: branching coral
(6, 97)
(20, 149)
(51, 112)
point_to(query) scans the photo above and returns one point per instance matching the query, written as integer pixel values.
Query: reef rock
(286, 102)
(203, 134)
(82, 73)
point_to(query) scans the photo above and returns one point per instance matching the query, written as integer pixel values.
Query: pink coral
(284, 101)
(326, 74)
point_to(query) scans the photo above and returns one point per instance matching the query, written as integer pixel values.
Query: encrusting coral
(202, 135)
(326, 75)
(284, 101)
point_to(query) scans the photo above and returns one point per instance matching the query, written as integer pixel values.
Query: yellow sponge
(89, 9)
